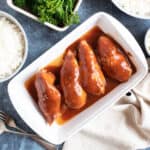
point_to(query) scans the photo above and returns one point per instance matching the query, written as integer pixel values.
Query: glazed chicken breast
(113, 61)
(49, 98)
(92, 77)
(75, 96)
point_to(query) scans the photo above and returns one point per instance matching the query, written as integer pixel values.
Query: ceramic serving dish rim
(57, 134)
(145, 42)
(30, 15)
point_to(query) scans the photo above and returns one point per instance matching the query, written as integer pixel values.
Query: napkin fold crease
(125, 126)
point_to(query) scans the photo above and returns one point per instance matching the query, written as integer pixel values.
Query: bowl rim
(145, 41)
(128, 13)
(34, 17)
(12, 19)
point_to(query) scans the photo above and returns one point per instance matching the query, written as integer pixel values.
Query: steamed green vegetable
(20, 3)
(58, 12)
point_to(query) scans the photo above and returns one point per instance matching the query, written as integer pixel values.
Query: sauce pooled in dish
(81, 75)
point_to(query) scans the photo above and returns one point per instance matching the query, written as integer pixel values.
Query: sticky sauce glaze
(66, 113)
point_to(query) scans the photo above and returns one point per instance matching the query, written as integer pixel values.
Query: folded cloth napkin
(125, 126)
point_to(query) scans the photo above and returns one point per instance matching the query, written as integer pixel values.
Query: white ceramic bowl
(57, 28)
(26, 106)
(13, 20)
(128, 13)
(147, 41)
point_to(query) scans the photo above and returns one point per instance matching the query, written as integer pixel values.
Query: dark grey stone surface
(40, 39)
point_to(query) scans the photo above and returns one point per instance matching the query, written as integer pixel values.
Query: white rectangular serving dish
(30, 15)
(26, 106)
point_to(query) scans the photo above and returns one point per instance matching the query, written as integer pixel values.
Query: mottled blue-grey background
(40, 39)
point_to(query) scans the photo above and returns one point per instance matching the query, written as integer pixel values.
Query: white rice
(11, 47)
(136, 7)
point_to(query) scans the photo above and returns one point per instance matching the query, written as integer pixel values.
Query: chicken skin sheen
(49, 98)
(92, 77)
(113, 61)
(75, 96)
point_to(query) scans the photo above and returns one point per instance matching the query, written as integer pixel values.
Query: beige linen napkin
(126, 126)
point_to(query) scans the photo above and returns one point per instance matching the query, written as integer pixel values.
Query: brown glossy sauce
(66, 113)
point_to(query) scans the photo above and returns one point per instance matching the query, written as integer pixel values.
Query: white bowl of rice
(13, 46)
(135, 8)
